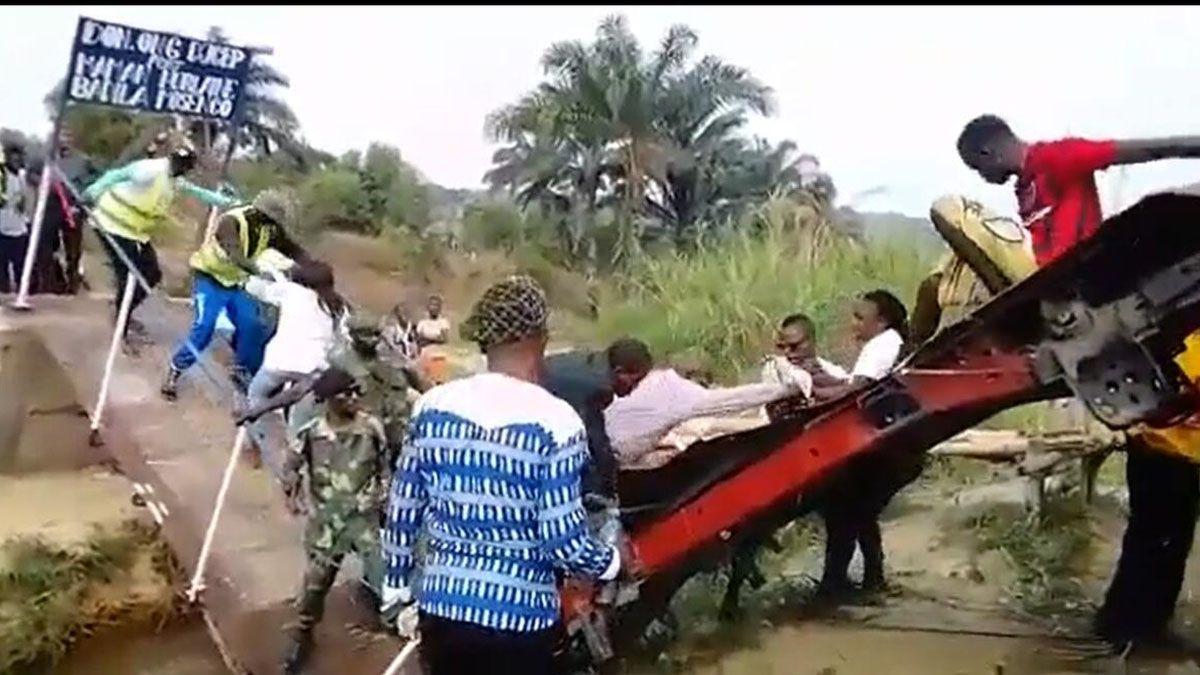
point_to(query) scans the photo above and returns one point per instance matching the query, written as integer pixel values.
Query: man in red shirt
(1059, 204)
(1056, 182)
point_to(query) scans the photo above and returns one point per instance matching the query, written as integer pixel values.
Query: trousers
(327, 540)
(267, 383)
(209, 297)
(458, 648)
(12, 258)
(1164, 493)
(144, 259)
(852, 504)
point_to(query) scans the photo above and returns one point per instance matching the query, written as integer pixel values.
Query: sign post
(142, 70)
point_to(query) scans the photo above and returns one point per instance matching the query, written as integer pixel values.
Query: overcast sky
(879, 94)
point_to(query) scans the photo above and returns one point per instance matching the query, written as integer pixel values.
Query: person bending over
(220, 269)
(132, 203)
(651, 401)
(1056, 183)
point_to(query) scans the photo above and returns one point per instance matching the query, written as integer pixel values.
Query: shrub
(335, 198)
(720, 303)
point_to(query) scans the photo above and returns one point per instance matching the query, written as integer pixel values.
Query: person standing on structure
(131, 204)
(14, 223)
(1060, 206)
(220, 269)
(491, 473)
(342, 451)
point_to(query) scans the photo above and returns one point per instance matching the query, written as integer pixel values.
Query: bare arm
(229, 241)
(1152, 149)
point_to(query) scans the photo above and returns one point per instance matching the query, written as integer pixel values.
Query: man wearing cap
(220, 269)
(132, 203)
(491, 472)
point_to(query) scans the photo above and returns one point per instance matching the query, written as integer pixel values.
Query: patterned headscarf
(510, 310)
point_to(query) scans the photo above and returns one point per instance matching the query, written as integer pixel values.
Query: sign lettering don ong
(129, 67)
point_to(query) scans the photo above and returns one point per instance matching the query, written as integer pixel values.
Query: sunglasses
(352, 394)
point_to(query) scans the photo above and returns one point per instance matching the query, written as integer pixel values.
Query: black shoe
(170, 384)
(241, 380)
(874, 584)
(296, 654)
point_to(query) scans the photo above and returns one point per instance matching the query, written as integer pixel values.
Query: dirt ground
(954, 609)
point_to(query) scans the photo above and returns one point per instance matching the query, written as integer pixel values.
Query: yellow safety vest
(128, 212)
(212, 260)
(1183, 438)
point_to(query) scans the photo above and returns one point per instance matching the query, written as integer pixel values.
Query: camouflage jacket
(346, 465)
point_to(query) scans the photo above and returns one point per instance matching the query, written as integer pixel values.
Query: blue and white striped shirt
(491, 471)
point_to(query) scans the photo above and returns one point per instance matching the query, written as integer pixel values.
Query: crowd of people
(491, 471)
(57, 264)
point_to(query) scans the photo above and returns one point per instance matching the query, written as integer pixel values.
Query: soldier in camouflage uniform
(342, 450)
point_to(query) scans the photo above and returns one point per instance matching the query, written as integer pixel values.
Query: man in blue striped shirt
(491, 473)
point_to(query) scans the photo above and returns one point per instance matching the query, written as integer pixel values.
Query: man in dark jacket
(580, 378)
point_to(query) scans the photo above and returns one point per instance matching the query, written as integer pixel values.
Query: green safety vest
(212, 260)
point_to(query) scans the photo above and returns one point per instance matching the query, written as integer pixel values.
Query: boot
(297, 651)
(170, 383)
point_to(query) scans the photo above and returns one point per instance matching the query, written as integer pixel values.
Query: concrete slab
(178, 453)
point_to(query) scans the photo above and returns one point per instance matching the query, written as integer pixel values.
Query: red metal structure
(1102, 323)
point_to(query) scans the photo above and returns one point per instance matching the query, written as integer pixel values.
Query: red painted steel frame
(980, 377)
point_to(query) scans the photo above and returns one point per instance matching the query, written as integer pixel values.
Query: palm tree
(266, 123)
(640, 127)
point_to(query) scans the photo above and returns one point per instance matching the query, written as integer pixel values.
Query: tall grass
(720, 303)
(50, 596)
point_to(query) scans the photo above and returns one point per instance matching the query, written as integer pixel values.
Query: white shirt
(306, 331)
(12, 218)
(433, 329)
(664, 399)
(878, 355)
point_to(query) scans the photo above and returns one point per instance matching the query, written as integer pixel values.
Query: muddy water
(183, 649)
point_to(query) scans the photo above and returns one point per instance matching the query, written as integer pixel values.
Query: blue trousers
(208, 299)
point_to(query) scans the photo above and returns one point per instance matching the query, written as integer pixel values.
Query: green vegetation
(1046, 553)
(51, 596)
(720, 303)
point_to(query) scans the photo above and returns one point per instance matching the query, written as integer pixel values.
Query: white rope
(197, 583)
(118, 334)
(403, 657)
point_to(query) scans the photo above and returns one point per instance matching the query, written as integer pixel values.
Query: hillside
(892, 226)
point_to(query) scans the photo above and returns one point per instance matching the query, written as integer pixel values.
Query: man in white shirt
(651, 401)
(435, 328)
(14, 224)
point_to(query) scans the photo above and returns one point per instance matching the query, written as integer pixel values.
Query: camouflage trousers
(327, 540)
